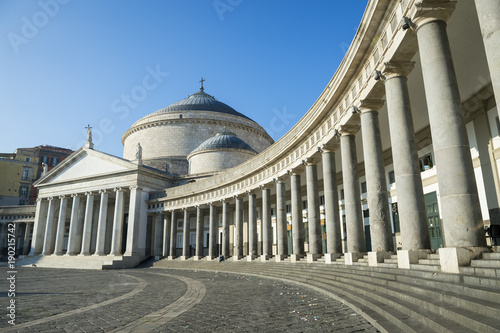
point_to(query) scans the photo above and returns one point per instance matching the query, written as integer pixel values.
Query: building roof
(200, 101)
(223, 140)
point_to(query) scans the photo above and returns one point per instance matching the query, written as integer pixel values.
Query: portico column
(185, 236)
(166, 232)
(238, 241)
(158, 233)
(252, 227)
(39, 226)
(282, 249)
(410, 193)
(462, 220)
(199, 234)
(297, 219)
(87, 224)
(116, 240)
(48, 242)
(73, 226)
(27, 235)
(225, 228)
(267, 237)
(313, 213)
(173, 236)
(488, 12)
(61, 226)
(101, 227)
(332, 215)
(356, 244)
(212, 231)
(378, 197)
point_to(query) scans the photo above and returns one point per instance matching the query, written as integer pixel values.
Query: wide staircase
(79, 262)
(420, 299)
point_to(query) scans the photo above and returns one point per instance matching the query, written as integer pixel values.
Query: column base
(211, 258)
(451, 258)
(197, 258)
(313, 257)
(265, 257)
(280, 257)
(352, 257)
(57, 254)
(374, 258)
(235, 258)
(408, 257)
(251, 257)
(184, 257)
(331, 257)
(99, 254)
(84, 254)
(170, 257)
(296, 257)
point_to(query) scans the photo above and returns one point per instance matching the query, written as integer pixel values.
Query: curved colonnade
(417, 69)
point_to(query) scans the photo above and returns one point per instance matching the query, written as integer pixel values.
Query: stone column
(332, 215)
(48, 242)
(199, 234)
(185, 236)
(73, 226)
(267, 237)
(297, 218)
(166, 232)
(462, 220)
(39, 226)
(238, 241)
(116, 240)
(87, 225)
(378, 197)
(252, 227)
(61, 226)
(158, 235)
(488, 12)
(101, 227)
(313, 213)
(137, 226)
(281, 223)
(212, 232)
(225, 229)
(173, 236)
(356, 244)
(27, 235)
(410, 193)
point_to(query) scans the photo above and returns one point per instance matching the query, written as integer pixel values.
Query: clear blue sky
(66, 64)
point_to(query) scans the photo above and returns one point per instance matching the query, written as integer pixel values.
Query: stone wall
(216, 160)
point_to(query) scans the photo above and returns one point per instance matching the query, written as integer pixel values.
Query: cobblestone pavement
(62, 300)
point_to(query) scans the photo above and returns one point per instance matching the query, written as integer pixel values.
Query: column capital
(251, 192)
(348, 129)
(88, 193)
(102, 191)
(267, 186)
(39, 200)
(432, 10)
(310, 161)
(279, 180)
(329, 147)
(117, 189)
(60, 196)
(75, 195)
(395, 69)
(238, 196)
(50, 198)
(135, 187)
(370, 105)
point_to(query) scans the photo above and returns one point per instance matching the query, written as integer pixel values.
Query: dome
(199, 101)
(223, 140)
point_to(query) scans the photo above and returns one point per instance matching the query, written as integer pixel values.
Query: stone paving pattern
(233, 303)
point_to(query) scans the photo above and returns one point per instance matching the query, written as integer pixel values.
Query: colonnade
(96, 224)
(22, 235)
(459, 199)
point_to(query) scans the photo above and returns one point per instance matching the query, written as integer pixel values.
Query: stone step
(422, 267)
(486, 263)
(391, 261)
(433, 256)
(433, 262)
(387, 264)
(491, 255)
(480, 271)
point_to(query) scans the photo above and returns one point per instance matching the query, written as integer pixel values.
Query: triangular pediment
(85, 164)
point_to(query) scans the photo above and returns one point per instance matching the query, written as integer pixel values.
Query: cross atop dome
(202, 80)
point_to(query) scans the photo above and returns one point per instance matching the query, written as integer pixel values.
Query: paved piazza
(159, 300)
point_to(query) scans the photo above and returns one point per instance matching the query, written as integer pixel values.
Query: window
(363, 187)
(425, 163)
(45, 159)
(322, 200)
(26, 174)
(304, 204)
(28, 159)
(392, 177)
(23, 191)
(342, 194)
(55, 160)
(288, 208)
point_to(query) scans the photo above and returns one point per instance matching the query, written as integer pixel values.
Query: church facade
(399, 155)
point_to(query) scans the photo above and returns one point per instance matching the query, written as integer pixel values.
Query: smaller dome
(223, 140)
